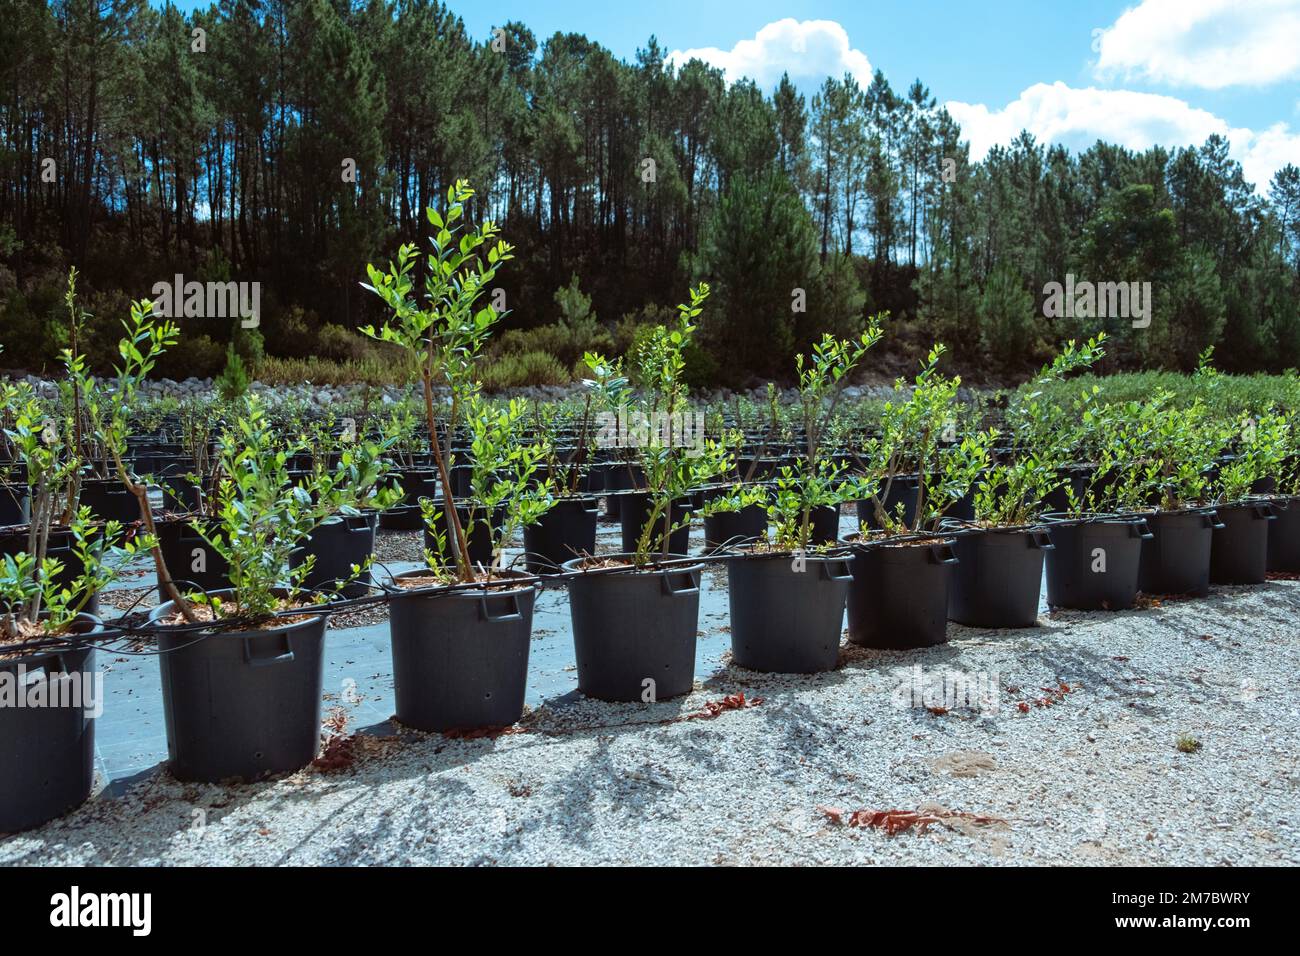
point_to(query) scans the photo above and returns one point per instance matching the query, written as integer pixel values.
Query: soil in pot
(47, 753)
(634, 630)
(1176, 559)
(787, 613)
(1239, 552)
(899, 594)
(565, 532)
(241, 704)
(998, 577)
(460, 658)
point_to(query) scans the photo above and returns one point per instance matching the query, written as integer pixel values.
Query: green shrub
(234, 381)
(376, 367)
(1006, 318)
(250, 345)
(625, 329)
(292, 333)
(1226, 396)
(196, 355)
(339, 344)
(517, 370)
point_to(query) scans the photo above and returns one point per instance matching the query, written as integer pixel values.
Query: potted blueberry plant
(788, 590)
(635, 614)
(460, 627)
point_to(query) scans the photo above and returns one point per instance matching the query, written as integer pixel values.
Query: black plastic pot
(59, 547)
(1284, 535)
(241, 704)
(904, 490)
(1176, 559)
(179, 490)
(998, 577)
(1076, 479)
(634, 631)
(963, 509)
(193, 563)
(460, 658)
(416, 483)
(825, 521)
(619, 476)
(565, 532)
(473, 520)
(47, 753)
(635, 511)
(786, 613)
(1239, 554)
(338, 543)
(15, 504)
(899, 594)
(109, 500)
(726, 529)
(1094, 565)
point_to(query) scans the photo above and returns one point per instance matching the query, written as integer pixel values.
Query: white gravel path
(1093, 778)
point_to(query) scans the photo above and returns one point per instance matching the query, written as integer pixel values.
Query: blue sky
(1137, 73)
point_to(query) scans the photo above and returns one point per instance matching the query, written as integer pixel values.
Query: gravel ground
(1089, 774)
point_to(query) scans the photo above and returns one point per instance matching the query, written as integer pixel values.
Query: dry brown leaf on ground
(900, 821)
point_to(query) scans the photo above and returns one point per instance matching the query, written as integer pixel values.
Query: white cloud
(1205, 43)
(1077, 118)
(809, 51)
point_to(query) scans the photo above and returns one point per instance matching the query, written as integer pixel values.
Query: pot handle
(667, 580)
(357, 524)
(826, 566)
(942, 554)
(1264, 511)
(1040, 539)
(512, 615)
(253, 660)
(1140, 529)
(1212, 520)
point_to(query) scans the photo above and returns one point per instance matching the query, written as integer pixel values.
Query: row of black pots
(460, 659)
(336, 544)
(994, 576)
